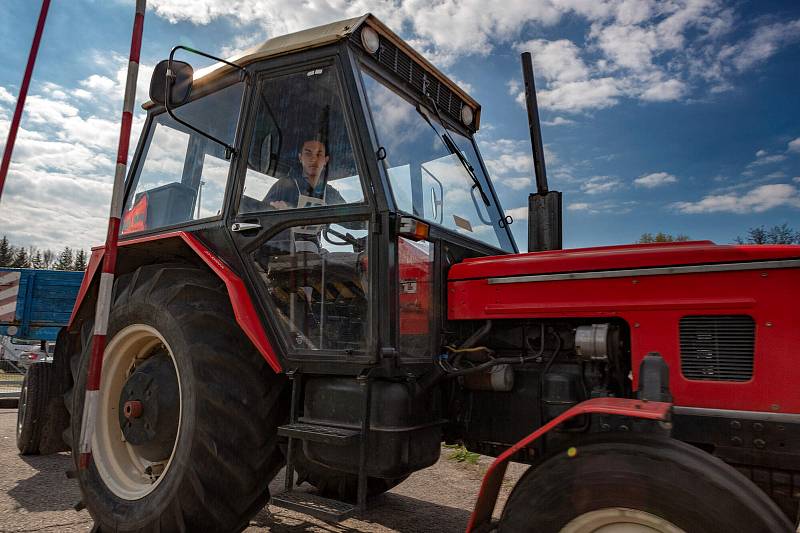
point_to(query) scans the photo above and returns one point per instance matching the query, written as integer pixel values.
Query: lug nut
(132, 409)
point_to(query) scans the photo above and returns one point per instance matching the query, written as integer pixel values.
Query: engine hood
(618, 258)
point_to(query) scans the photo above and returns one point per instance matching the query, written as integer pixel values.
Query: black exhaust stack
(544, 207)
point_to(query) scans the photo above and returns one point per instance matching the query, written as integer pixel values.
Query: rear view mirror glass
(181, 87)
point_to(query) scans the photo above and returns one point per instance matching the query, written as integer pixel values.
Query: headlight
(467, 115)
(370, 40)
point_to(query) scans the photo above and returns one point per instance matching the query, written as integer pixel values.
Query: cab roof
(321, 36)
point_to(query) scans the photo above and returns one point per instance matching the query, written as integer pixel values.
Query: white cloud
(517, 184)
(796, 179)
(63, 161)
(794, 146)
(558, 121)
(656, 179)
(518, 213)
(578, 96)
(578, 206)
(664, 91)
(6, 96)
(644, 49)
(606, 208)
(758, 200)
(765, 158)
(765, 42)
(599, 184)
(556, 61)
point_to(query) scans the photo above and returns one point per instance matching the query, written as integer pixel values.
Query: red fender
(243, 309)
(490, 486)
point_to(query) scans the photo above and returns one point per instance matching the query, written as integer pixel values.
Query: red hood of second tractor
(618, 258)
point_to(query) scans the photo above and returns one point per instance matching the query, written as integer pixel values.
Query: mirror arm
(229, 150)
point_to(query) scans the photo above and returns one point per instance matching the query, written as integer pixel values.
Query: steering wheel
(343, 239)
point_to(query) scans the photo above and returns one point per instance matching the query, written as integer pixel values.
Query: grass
(461, 455)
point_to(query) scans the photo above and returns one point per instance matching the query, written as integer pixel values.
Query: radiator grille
(717, 348)
(415, 75)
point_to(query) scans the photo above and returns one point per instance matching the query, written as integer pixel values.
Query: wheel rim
(620, 520)
(122, 466)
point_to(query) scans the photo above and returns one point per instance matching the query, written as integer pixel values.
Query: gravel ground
(35, 495)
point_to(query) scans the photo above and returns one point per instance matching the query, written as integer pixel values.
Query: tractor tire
(32, 410)
(339, 485)
(658, 484)
(209, 402)
(57, 418)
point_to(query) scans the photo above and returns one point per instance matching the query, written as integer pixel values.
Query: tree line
(32, 257)
(783, 234)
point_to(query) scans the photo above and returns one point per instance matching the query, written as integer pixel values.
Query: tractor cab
(336, 169)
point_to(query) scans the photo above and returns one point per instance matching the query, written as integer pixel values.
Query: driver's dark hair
(316, 137)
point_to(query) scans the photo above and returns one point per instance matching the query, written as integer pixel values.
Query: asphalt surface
(35, 495)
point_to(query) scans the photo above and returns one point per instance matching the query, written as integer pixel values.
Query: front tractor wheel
(638, 484)
(186, 431)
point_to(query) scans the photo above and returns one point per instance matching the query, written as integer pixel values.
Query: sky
(680, 116)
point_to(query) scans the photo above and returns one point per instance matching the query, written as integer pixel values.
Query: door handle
(244, 226)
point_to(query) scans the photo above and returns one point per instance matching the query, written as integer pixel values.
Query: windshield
(428, 180)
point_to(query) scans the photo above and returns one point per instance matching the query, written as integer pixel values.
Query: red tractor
(314, 272)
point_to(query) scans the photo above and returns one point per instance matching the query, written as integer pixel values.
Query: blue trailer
(35, 304)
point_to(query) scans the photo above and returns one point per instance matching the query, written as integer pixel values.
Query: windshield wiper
(453, 149)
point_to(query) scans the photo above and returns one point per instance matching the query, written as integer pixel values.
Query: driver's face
(313, 159)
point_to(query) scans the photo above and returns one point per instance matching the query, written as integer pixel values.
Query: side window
(300, 153)
(182, 175)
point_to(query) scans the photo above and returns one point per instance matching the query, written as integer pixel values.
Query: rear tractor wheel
(32, 407)
(186, 430)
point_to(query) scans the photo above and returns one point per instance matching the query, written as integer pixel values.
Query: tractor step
(313, 505)
(316, 433)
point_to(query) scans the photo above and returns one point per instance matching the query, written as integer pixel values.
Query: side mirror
(180, 85)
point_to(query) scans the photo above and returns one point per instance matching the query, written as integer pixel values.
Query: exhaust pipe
(544, 207)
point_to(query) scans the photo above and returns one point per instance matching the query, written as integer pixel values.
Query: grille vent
(717, 348)
(414, 74)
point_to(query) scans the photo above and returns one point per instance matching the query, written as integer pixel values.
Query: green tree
(21, 259)
(80, 261)
(36, 260)
(648, 238)
(6, 253)
(782, 234)
(47, 258)
(65, 259)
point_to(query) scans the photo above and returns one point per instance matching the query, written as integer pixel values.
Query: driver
(300, 190)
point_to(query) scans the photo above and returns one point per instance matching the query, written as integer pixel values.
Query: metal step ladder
(326, 509)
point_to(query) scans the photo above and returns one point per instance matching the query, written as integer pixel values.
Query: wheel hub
(149, 408)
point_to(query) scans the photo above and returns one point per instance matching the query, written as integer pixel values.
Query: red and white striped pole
(23, 93)
(110, 256)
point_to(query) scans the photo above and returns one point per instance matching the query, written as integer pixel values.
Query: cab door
(302, 222)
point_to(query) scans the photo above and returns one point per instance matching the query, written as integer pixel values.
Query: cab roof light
(370, 40)
(414, 229)
(467, 115)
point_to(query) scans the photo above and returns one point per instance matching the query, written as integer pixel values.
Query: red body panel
(617, 257)
(94, 263)
(653, 305)
(243, 309)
